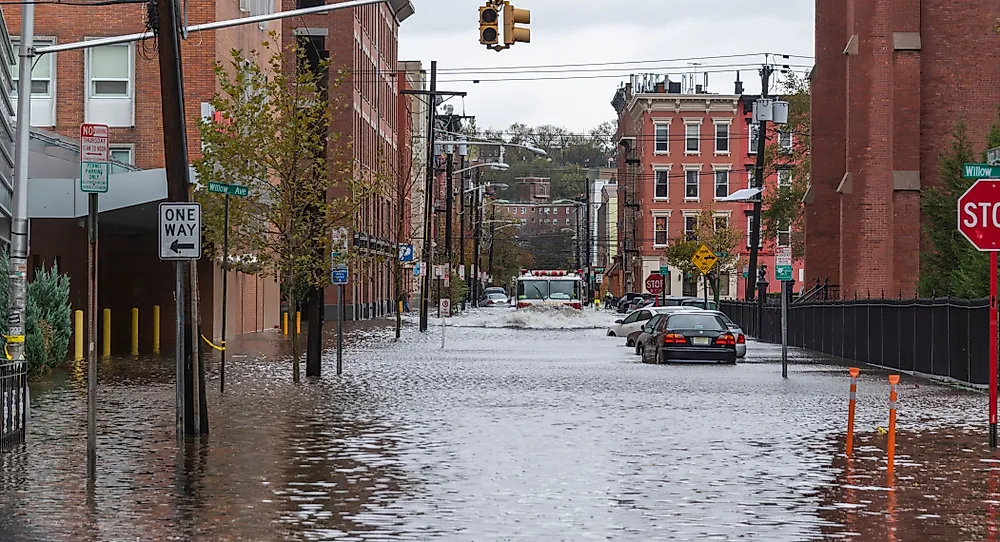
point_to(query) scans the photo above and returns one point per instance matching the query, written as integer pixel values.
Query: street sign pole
(340, 329)
(993, 349)
(784, 330)
(225, 290)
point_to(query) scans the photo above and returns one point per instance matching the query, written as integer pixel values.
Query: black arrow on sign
(177, 246)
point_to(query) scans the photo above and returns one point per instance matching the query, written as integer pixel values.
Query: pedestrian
(406, 302)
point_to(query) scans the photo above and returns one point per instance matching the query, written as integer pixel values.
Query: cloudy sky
(598, 37)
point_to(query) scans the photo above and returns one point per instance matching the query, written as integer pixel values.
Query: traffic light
(512, 16)
(489, 25)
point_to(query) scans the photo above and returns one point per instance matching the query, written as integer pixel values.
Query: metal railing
(942, 337)
(13, 402)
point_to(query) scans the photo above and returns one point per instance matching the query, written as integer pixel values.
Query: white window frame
(40, 41)
(716, 169)
(752, 128)
(696, 125)
(787, 233)
(657, 125)
(728, 139)
(657, 171)
(727, 215)
(787, 181)
(684, 224)
(760, 242)
(665, 215)
(687, 171)
(130, 79)
(130, 148)
(43, 107)
(785, 141)
(102, 103)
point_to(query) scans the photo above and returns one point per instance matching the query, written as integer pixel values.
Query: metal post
(477, 235)
(993, 349)
(704, 288)
(17, 317)
(784, 330)
(92, 210)
(448, 209)
(225, 290)
(425, 282)
(493, 231)
(765, 76)
(340, 328)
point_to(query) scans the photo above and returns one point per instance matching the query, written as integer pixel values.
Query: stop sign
(654, 283)
(979, 214)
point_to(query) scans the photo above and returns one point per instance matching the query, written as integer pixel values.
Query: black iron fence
(13, 402)
(941, 337)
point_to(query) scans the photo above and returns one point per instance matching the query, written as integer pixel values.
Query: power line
(620, 63)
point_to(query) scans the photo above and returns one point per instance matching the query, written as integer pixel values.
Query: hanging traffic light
(489, 25)
(512, 16)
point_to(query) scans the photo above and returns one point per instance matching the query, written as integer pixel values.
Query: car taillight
(523, 305)
(575, 305)
(741, 339)
(674, 338)
(490, 302)
(726, 340)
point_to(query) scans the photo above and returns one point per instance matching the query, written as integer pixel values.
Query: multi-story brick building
(119, 85)
(891, 80)
(681, 153)
(362, 45)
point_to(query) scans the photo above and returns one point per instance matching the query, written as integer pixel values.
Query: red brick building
(362, 44)
(119, 85)
(680, 153)
(891, 79)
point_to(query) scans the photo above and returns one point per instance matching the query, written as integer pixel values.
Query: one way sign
(180, 231)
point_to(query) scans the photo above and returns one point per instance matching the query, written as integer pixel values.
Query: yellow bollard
(298, 323)
(284, 323)
(156, 329)
(78, 336)
(891, 445)
(135, 331)
(399, 309)
(107, 333)
(854, 372)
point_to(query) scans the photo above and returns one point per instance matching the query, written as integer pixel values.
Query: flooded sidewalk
(524, 427)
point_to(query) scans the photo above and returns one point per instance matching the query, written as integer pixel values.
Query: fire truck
(549, 288)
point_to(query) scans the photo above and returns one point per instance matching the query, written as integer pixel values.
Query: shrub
(49, 324)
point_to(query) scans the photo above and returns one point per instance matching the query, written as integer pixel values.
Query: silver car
(741, 338)
(639, 337)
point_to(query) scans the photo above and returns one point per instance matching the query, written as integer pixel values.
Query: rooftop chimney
(739, 84)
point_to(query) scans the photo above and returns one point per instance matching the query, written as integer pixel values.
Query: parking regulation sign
(180, 231)
(94, 149)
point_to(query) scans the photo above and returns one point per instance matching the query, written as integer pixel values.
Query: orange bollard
(893, 380)
(850, 409)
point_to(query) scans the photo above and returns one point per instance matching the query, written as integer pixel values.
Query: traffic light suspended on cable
(489, 25)
(511, 16)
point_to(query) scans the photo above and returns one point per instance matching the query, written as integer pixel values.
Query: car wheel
(611, 334)
(628, 342)
(661, 358)
(639, 349)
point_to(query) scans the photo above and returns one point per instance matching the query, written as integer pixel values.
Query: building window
(785, 140)
(692, 138)
(41, 73)
(723, 284)
(299, 4)
(754, 135)
(121, 154)
(660, 230)
(750, 176)
(524, 221)
(110, 85)
(722, 138)
(690, 228)
(567, 220)
(662, 188)
(721, 183)
(760, 242)
(784, 178)
(110, 74)
(522, 210)
(721, 222)
(691, 178)
(784, 235)
(663, 138)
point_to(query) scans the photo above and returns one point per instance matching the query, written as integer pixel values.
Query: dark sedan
(690, 337)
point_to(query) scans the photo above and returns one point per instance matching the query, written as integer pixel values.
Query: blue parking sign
(406, 253)
(339, 274)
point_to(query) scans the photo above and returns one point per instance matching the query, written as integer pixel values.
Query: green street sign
(94, 177)
(980, 171)
(722, 255)
(783, 272)
(231, 189)
(665, 271)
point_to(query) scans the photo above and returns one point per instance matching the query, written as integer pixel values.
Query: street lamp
(499, 166)
(531, 148)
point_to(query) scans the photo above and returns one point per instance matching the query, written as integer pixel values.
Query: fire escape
(631, 210)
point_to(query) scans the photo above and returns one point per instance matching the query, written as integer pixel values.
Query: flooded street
(525, 427)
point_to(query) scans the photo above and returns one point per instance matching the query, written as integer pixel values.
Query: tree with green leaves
(715, 232)
(49, 323)
(782, 209)
(949, 265)
(274, 138)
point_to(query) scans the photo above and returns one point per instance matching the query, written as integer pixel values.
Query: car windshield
(706, 322)
(563, 289)
(532, 289)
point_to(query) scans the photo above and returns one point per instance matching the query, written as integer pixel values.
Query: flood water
(522, 428)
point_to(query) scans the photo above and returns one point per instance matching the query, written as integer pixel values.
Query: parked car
(494, 290)
(690, 336)
(741, 338)
(624, 327)
(639, 337)
(494, 300)
(625, 300)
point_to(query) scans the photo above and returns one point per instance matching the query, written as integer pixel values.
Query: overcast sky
(593, 32)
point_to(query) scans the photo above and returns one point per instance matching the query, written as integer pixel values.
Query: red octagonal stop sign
(979, 214)
(654, 283)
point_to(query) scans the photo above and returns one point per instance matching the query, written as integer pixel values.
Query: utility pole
(448, 205)
(191, 420)
(427, 254)
(493, 230)
(461, 234)
(477, 210)
(765, 80)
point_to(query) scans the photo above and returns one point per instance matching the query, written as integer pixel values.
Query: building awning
(743, 195)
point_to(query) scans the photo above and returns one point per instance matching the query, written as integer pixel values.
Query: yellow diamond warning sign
(704, 259)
